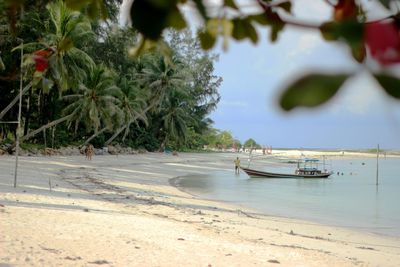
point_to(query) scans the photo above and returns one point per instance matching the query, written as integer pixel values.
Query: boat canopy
(311, 160)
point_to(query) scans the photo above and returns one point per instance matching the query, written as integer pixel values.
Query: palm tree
(96, 103)
(176, 118)
(67, 65)
(15, 100)
(160, 78)
(133, 103)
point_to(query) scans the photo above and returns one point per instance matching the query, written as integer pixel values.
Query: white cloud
(360, 96)
(374, 9)
(311, 10)
(305, 44)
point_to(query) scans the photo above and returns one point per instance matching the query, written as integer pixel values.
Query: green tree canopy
(251, 143)
(79, 71)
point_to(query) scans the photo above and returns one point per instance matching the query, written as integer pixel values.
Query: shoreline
(123, 211)
(118, 150)
(258, 212)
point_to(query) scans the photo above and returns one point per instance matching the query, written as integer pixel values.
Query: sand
(123, 211)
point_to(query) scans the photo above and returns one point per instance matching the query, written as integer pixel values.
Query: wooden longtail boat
(307, 171)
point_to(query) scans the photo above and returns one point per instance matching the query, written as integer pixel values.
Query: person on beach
(89, 151)
(237, 165)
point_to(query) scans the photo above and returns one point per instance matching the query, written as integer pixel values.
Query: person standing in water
(237, 165)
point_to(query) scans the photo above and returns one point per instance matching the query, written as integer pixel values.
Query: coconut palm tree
(133, 103)
(176, 117)
(55, 58)
(95, 104)
(160, 78)
(68, 64)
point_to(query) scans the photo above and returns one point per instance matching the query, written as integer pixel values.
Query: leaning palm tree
(95, 104)
(133, 102)
(159, 77)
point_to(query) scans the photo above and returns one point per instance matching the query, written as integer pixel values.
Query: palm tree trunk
(94, 135)
(164, 143)
(115, 135)
(44, 127)
(15, 100)
(45, 139)
(127, 125)
(53, 131)
(28, 112)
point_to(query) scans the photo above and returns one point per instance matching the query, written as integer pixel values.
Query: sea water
(349, 198)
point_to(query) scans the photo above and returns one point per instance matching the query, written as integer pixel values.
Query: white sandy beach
(122, 211)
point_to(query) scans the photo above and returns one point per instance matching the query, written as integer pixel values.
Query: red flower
(383, 40)
(40, 58)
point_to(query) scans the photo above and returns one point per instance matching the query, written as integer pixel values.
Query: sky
(360, 116)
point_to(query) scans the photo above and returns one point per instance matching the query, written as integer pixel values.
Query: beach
(124, 210)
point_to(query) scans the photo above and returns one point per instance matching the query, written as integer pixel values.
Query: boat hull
(263, 174)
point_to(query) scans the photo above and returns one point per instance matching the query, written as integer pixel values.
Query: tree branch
(119, 131)
(301, 24)
(12, 103)
(95, 135)
(44, 127)
(329, 3)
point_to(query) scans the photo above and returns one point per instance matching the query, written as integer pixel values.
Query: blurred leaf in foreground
(390, 84)
(311, 90)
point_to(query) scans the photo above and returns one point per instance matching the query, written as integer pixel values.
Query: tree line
(80, 85)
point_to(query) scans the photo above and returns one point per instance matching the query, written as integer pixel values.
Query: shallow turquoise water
(350, 200)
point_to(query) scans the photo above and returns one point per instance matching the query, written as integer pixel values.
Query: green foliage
(98, 141)
(32, 146)
(372, 150)
(215, 138)
(139, 137)
(167, 92)
(386, 3)
(251, 143)
(63, 137)
(242, 28)
(58, 31)
(93, 8)
(194, 140)
(349, 31)
(206, 39)
(311, 90)
(152, 17)
(96, 102)
(175, 118)
(390, 84)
